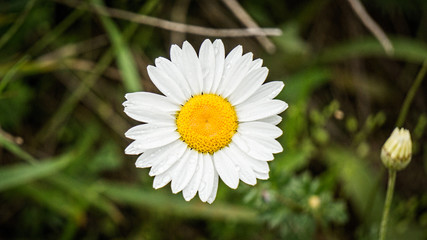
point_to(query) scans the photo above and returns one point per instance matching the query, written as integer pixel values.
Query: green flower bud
(397, 150)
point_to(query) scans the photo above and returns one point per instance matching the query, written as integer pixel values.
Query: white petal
(185, 170)
(191, 189)
(259, 129)
(178, 58)
(235, 75)
(271, 120)
(148, 130)
(262, 176)
(230, 61)
(219, 64)
(161, 180)
(226, 169)
(259, 110)
(257, 63)
(147, 100)
(266, 92)
(193, 70)
(265, 144)
(134, 149)
(149, 157)
(207, 62)
(176, 55)
(167, 158)
(149, 107)
(208, 178)
(249, 85)
(271, 144)
(167, 85)
(256, 165)
(155, 140)
(150, 116)
(214, 188)
(188, 63)
(143, 160)
(259, 166)
(164, 178)
(179, 84)
(246, 174)
(234, 54)
(251, 147)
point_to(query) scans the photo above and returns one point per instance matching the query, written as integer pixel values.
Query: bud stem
(388, 199)
(411, 94)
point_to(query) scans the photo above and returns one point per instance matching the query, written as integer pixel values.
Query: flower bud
(314, 202)
(397, 150)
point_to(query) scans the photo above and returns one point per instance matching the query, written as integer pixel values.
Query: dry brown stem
(371, 25)
(173, 26)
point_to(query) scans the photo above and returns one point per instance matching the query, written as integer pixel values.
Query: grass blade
(406, 49)
(18, 23)
(123, 54)
(19, 174)
(134, 195)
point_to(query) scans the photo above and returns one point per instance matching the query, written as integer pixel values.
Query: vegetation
(66, 65)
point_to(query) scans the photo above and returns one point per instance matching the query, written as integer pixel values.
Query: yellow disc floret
(207, 123)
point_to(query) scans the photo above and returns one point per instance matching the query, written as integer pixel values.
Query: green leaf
(293, 159)
(358, 181)
(19, 174)
(169, 204)
(406, 49)
(54, 199)
(86, 193)
(300, 85)
(107, 158)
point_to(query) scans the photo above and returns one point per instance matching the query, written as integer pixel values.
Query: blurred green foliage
(64, 72)
(309, 203)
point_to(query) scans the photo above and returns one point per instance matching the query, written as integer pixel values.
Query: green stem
(17, 24)
(411, 94)
(388, 199)
(12, 72)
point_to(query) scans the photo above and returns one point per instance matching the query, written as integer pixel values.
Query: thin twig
(174, 26)
(247, 20)
(84, 65)
(74, 49)
(17, 140)
(372, 26)
(11, 143)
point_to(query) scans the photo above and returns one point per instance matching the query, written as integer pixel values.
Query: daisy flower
(216, 120)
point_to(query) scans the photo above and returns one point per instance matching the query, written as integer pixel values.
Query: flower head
(216, 120)
(397, 150)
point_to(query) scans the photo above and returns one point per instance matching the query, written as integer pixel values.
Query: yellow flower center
(207, 123)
